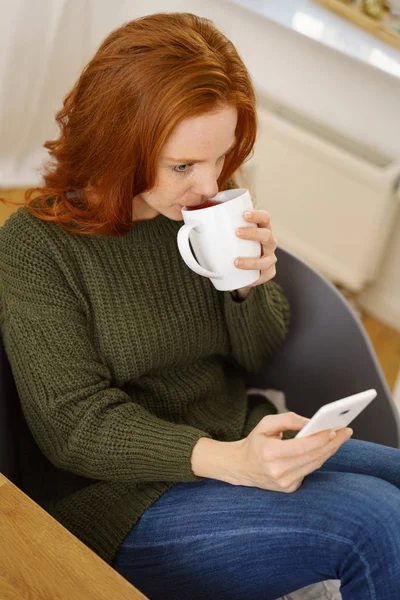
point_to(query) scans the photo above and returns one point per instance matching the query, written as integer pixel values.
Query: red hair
(146, 77)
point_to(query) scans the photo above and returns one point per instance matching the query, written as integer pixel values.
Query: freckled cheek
(169, 191)
(181, 188)
(173, 188)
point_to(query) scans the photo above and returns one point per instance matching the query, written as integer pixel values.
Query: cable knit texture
(123, 358)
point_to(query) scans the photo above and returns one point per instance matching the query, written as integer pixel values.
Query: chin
(175, 214)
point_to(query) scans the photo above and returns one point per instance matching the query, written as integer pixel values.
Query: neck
(141, 211)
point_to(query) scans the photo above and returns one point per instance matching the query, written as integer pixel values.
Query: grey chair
(326, 356)
(10, 420)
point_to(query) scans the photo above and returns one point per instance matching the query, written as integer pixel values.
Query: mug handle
(187, 255)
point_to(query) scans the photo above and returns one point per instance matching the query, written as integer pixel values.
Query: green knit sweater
(123, 358)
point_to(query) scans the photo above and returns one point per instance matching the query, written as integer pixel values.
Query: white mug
(211, 232)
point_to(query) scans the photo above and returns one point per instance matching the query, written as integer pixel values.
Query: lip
(190, 205)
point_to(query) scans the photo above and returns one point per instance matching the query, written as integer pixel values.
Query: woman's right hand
(266, 461)
(263, 459)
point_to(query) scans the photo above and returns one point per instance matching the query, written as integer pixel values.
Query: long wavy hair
(146, 77)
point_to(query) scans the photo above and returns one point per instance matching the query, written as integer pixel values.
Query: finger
(258, 234)
(321, 453)
(310, 446)
(274, 424)
(296, 473)
(260, 264)
(261, 217)
(290, 482)
(307, 445)
(265, 276)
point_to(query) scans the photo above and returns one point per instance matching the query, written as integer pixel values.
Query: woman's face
(189, 166)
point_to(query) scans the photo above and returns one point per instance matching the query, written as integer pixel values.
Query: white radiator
(331, 201)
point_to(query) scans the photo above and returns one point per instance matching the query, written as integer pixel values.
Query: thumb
(275, 424)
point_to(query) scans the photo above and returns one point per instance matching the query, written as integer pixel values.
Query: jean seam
(236, 532)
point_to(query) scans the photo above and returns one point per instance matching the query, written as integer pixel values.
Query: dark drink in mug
(206, 204)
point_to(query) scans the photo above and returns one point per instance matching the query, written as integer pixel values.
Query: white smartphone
(336, 415)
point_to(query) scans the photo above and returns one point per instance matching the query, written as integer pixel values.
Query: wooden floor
(385, 340)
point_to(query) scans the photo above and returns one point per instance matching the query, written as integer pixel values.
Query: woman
(140, 435)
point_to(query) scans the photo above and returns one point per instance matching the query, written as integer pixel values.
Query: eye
(182, 168)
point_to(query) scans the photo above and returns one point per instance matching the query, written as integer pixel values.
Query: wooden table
(41, 560)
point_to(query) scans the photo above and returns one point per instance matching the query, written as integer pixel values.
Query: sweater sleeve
(80, 421)
(258, 325)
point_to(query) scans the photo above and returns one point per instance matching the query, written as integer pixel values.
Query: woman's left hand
(263, 234)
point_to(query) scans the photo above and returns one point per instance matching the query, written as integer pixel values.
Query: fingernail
(237, 262)
(332, 435)
(350, 430)
(248, 215)
(239, 232)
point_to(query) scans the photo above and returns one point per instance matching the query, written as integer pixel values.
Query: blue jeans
(209, 539)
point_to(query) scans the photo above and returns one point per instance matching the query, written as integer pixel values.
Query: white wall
(382, 299)
(354, 99)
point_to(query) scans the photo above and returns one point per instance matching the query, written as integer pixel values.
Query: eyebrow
(194, 160)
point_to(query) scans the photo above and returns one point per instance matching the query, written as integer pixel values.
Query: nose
(207, 186)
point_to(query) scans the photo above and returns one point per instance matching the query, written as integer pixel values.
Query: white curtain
(44, 45)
